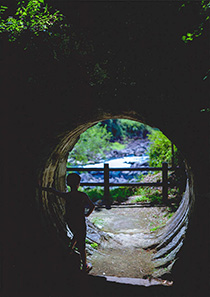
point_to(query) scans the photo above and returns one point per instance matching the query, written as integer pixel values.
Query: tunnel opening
(165, 244)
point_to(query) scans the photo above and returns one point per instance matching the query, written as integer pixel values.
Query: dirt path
(123, 254)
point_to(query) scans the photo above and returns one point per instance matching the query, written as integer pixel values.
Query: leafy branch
(34, 16)
(197, 32)
(205, 12)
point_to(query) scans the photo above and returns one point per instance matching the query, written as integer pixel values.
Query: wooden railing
(106, 184)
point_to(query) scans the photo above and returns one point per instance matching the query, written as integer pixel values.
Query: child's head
(73, 180)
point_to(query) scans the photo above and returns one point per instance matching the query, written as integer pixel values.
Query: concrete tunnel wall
(37, 119)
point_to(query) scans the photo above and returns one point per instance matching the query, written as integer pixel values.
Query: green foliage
(160, 149)
(95, 141)
(141, 198)
(170, 215)
(205, 110)
(157, 227)
(113, 126)
(117, 146)
(204, 7)
(91, 146)
(120, 194)
(123, 128)
(34, 16)
(3, 9)
(205, 13)
(94, 194)
(148, 194)
(46, 34)
(191, 36)
(133, 128)
(99, 74)
(92, 244)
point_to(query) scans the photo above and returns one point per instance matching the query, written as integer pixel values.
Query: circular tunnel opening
(163, 243)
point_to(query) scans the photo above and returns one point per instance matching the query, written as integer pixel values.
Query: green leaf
(183, 37)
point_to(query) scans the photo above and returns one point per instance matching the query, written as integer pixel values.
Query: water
(124, 162)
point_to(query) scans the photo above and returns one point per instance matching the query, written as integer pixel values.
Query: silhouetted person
(76, 204)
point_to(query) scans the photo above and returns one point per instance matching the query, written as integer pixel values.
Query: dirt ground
(126, 225)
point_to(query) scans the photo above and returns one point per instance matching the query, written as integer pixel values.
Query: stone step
(138, 281)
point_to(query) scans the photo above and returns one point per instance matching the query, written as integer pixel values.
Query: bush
(133, 128)
(121, 194)
(92, 145)
(123, 128)
(148, 194)
(118, 194)
(95, 194)
(160, 149)
(117, 146)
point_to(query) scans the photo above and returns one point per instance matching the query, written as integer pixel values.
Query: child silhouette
(76, 204)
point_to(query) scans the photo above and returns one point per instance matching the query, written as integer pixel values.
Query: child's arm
(54, 191)
(90, 204)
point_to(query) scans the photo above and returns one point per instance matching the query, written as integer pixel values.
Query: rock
(145, 164)
(94, 233)
(139, 152)
(85, 177)
(133, 180)
(98, 203)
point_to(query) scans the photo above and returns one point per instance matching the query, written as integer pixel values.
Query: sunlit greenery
(95, 194)
(197, 31)
(44, 31)
(103, 137)
(204, 12)
(117, 194)
(91, 146)
(123, 129)
(160, 149)
(34, 16)
(97, 140)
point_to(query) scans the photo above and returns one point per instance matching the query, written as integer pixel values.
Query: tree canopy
(33, 16)
(91, 145)
(103, 56)
(199, 28)
(204, 7)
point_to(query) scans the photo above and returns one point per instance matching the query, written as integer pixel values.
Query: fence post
(165, 182)
(106, 186)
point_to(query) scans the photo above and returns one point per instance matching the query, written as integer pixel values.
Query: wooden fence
(106, 184)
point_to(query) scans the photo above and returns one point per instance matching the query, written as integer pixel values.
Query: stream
(134, 155)
(125, 162)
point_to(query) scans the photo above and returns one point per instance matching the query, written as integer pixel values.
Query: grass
(169, 215)
(95, 194)
(141, 198)
(118, 194)
(147, 194)
(92, 244)
(156, 228)
(117, 146)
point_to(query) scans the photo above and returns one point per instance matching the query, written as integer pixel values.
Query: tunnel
(47, 104)
(167, 243)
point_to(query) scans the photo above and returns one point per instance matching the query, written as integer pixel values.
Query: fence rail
(106, 184)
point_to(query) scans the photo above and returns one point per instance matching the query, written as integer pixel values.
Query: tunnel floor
(124, 254)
